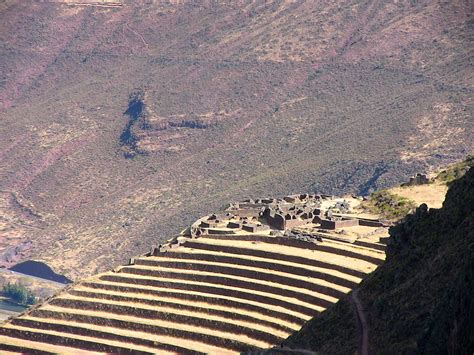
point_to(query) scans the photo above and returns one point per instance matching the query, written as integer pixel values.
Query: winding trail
(127, 26)
(362, 320)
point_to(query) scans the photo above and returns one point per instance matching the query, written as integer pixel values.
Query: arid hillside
(123, 122)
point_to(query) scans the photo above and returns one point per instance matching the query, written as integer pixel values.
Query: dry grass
(351, 263)
(207, 305)
(258, 304)
(280, 262)
(173, 340)
(287, 299)
(81, 337)
(431, 194)
(33, 345)
(316, 281)
(171, 311)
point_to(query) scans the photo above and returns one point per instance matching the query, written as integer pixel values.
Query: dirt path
(137, 34)
(364, 329)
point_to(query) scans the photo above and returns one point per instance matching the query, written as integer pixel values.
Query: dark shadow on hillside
(135, 112)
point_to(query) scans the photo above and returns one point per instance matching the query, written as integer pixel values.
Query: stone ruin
(335, 223)
(297, 210)
(332, 222)
(418, 179)
(342, 206)
(288, 216)
(277, 217)
(306, 237)
(290, 212)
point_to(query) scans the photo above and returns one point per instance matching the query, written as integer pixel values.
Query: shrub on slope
(19, 293)
(455, 171)
(389, 205)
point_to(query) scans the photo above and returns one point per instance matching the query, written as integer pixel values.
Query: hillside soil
(122, 123)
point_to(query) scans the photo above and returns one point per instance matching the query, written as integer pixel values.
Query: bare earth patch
(431, 194)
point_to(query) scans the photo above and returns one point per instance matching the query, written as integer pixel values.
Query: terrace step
(203, 309)
(282, 278)
(294, 258)
(210, 288)
(169, 260)
(231, 258)
(252, 282)
(75, 324)
(278, 312)
(371, 245)
(337, 248)
(10, 345)
(170, 316)
(162, 331)
(58, 338)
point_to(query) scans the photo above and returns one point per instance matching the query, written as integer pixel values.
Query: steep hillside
(122, 123)
(421, 299)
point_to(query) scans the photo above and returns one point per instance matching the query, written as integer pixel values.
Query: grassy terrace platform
(213, 294)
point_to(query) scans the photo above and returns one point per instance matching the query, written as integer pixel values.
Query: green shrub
(456, 171)
(19, 293)
(389, 205)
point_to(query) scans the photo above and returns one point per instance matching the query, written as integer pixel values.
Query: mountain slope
(420, 299)
(239, 99)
